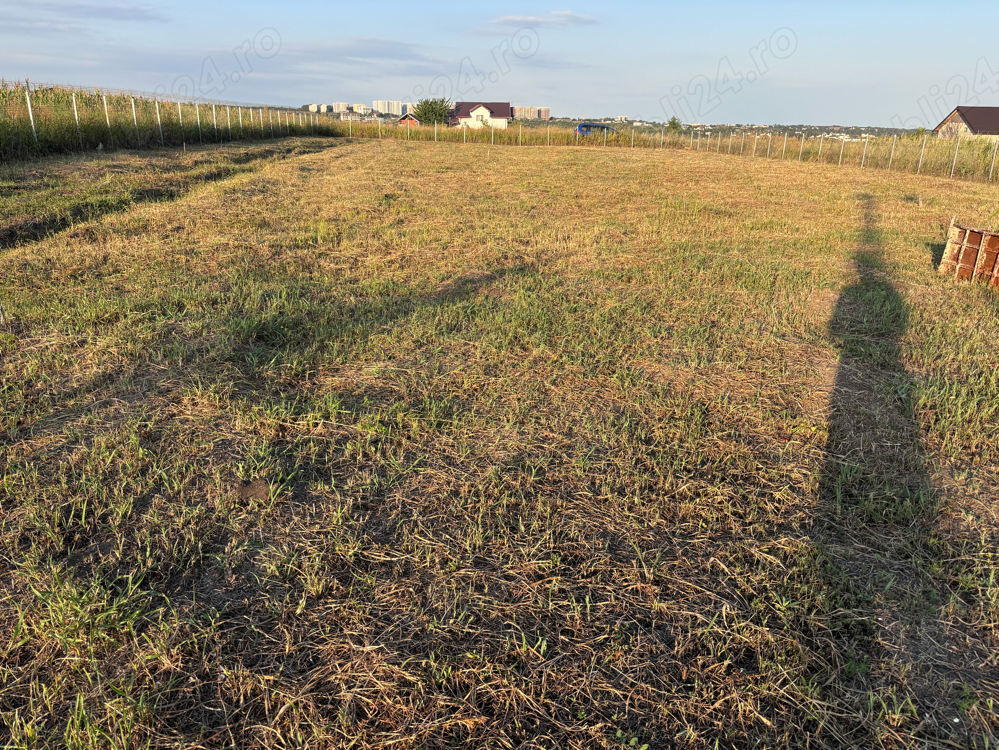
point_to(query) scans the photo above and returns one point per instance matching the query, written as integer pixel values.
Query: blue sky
(865, 63)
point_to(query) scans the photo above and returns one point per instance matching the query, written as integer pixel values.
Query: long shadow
(81, 544)
(253, 335)
(875, 515)
(875, 464)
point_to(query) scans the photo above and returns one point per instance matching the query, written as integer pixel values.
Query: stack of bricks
(971, 255)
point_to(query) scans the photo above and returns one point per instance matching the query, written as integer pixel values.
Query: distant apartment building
(408, 108)
(532, 113)
(339, 107)
(313, 107)
(387, 107)
(361, 109)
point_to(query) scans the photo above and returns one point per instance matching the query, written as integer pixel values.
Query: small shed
(969, 121)
(408, 119)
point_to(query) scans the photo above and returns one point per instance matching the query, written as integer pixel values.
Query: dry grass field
(415, 445)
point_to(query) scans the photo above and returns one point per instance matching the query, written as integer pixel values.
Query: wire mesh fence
(39, 120)
(966, 158)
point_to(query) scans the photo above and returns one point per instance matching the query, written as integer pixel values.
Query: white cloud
(558, 19)
(366, 58)
(113, 11)
(67, 17)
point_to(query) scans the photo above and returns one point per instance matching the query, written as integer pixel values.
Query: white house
(482, 115)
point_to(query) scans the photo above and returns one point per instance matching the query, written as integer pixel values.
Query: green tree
(674, 125)
(429, 111)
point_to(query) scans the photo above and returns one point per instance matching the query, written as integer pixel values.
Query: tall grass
(107, 120)
(909, 153)
(75, 119)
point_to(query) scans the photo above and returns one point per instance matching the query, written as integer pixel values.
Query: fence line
(39, 121)
(968, 159)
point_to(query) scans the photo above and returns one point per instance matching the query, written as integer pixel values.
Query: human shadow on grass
(875, 463)
(874, 530)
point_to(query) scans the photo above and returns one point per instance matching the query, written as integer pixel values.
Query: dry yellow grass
(415, 445)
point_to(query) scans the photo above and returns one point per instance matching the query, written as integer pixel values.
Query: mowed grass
(415, 445)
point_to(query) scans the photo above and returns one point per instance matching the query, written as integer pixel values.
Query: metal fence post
(993, 167)
(821, 139)
(921, 153)
(180, 116)
(197, 112)
(76, 116)
(802, 149)
(891, 158)
(31, 115)
(784, 150)
(159, 123)
(956, 149)
(863, 158)
(228, 119)
(215, 123)
(135, 121)
(742, 148)
(842, 148)
(107, 119)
